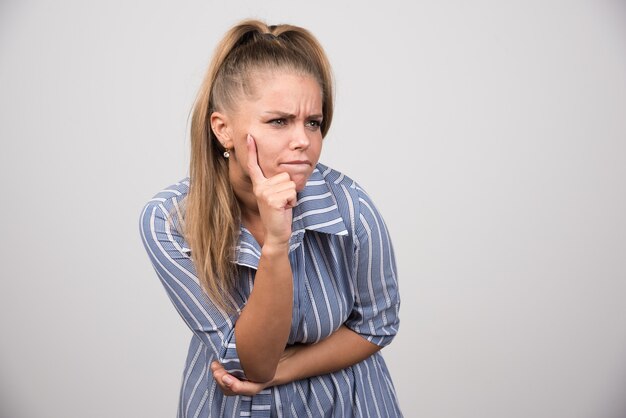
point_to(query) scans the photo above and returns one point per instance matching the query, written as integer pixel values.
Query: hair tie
(270, 36)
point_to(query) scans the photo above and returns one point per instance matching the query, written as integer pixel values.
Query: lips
(297, 162)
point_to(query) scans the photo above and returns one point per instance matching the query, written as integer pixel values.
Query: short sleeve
(377, 301)
(159, 228)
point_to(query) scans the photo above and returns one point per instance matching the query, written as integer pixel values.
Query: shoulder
(343, 187)
(338, 183)
(347, 193)
(165, 203)
(169, 197)
(353, 202)
(171, 193)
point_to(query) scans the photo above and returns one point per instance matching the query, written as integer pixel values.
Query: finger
(256, 174)
(240, 387)
(225, 390)
(278, 179)
(280, 187)
(218, 372)
(218, 375)
(272, 187)
(292, 199)
(229, 382)
(280, 199)
(233, 386)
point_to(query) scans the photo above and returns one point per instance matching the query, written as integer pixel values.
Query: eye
(278, 122)
(314, 124)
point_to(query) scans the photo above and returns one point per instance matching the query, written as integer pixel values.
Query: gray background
(491, 135)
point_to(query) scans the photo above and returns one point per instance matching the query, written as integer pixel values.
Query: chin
(300, 180)
(300, 183)
(299, 177)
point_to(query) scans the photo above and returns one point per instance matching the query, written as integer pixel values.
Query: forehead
(284, 87)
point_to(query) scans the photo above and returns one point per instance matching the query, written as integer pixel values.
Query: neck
(250, 217)
(242, 187)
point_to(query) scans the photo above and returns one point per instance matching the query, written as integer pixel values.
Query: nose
(299, 139)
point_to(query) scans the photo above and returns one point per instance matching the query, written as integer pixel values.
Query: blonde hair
(212, 214)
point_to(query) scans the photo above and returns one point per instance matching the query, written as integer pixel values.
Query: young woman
(282, 267)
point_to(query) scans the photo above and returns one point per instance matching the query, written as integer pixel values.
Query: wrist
(273, 248)
(282, 375)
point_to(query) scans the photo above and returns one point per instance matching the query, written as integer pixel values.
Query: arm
(159, 228)
(372, 324)
(342, 349)
(375, 315)
(264, 325)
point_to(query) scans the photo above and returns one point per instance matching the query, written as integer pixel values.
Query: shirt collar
(315, 210)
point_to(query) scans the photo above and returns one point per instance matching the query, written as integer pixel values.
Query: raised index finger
(256, 174)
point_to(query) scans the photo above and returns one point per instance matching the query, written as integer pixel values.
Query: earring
(227, 153)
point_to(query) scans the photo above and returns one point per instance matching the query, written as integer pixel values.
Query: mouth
(297, 162)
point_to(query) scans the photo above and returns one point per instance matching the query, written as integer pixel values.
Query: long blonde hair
(212, 213)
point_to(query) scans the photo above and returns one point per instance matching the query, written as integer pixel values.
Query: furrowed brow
(288, 115)
(281, 114)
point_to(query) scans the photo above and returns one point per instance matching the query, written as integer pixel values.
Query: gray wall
(491, 134)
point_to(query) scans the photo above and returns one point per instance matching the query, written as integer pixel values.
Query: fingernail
(227, 379)
(249, 138)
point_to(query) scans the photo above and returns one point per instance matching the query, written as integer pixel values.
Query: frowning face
(284, 117)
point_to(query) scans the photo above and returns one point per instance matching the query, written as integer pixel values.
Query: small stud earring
(227, 153)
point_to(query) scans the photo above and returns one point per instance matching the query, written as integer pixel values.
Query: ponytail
(211, 211)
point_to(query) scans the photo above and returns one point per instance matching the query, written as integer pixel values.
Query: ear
(221, 128)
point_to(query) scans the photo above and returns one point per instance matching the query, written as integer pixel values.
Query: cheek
(316, 147)
(267, 153)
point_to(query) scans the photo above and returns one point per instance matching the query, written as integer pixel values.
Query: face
(284, 118)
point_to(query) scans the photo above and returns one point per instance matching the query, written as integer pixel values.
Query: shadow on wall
(8, 407)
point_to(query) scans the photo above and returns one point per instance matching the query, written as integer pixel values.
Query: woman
(282, 267)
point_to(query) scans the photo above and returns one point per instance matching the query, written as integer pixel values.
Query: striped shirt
(344, 273)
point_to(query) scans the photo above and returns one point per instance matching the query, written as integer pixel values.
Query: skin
(275, 142)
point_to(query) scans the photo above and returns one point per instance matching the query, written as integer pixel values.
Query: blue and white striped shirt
(344, 273)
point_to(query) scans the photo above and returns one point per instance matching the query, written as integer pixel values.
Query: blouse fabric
(344, 273)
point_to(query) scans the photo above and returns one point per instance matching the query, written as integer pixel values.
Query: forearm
(264, 324)
(342, 349)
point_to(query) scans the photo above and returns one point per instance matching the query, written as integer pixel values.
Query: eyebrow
(291, 115)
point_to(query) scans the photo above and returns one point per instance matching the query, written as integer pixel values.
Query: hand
(232, 386)
(275, 196)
